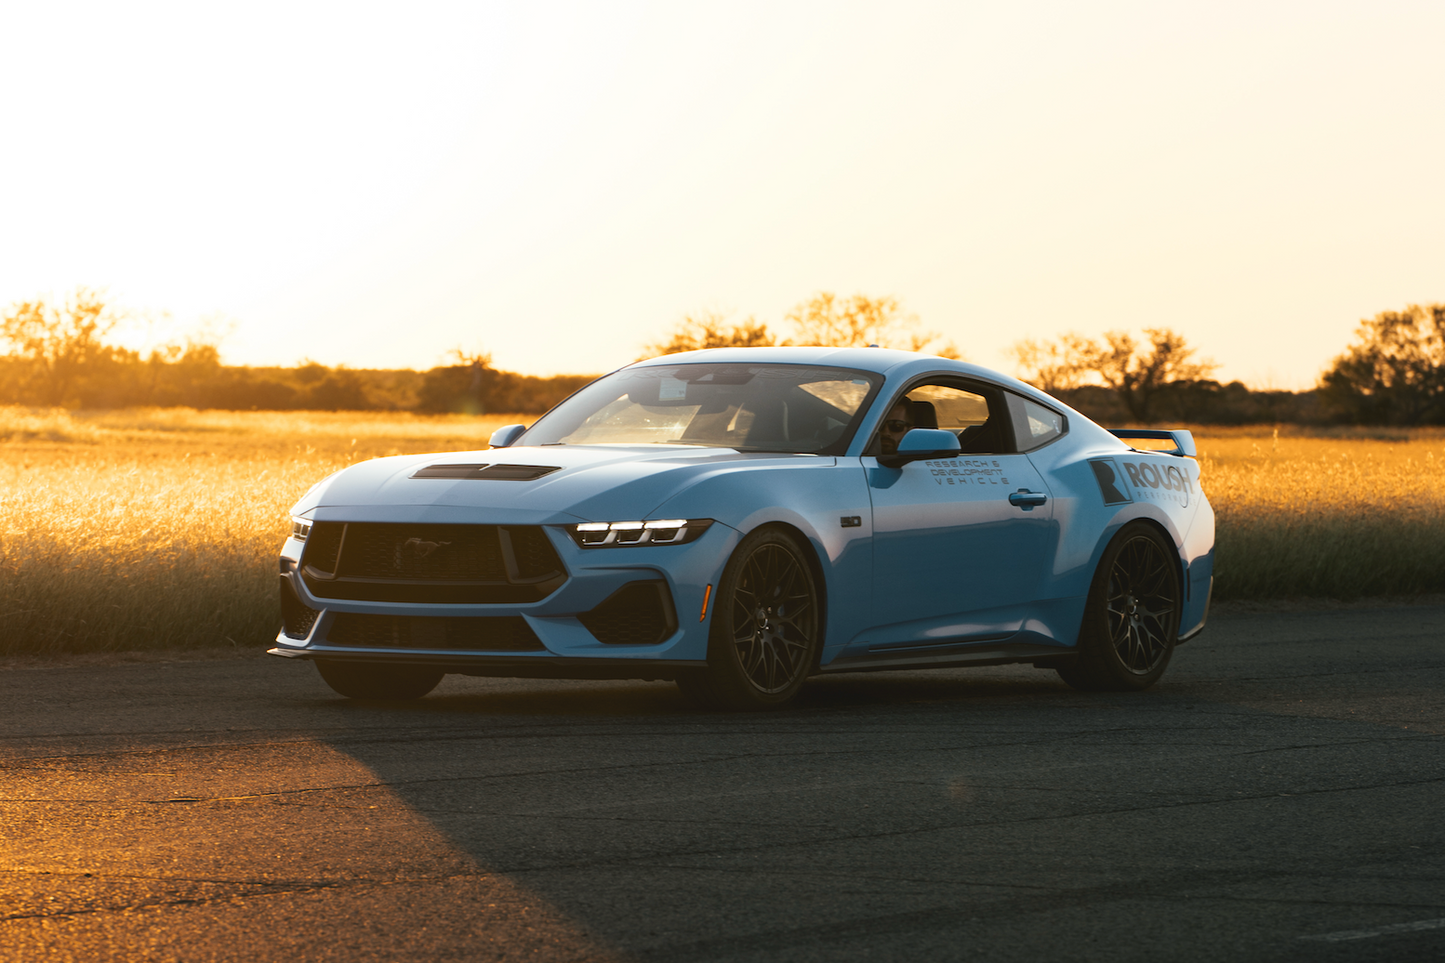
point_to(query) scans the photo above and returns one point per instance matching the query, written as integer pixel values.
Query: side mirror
(505, 435)
(921, 443)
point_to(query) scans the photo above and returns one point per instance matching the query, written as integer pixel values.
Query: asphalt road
(1280, 796)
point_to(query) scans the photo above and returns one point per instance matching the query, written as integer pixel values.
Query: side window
(976, 416)
(1034, 425)
(952, 408)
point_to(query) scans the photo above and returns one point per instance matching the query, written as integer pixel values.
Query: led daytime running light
(659, 531)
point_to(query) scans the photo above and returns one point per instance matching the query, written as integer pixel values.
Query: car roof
(864, 359)
(885, 361)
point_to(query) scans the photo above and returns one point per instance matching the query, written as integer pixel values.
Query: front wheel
(378, 680)
(766, 627)
(1131, 619)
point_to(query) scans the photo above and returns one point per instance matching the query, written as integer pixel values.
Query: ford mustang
(740, 520)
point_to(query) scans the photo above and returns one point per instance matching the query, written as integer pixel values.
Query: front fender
(826, 501)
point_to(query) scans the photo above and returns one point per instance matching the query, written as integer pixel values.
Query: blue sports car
(738, 520)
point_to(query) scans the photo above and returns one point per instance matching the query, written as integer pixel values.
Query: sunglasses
(895, 425)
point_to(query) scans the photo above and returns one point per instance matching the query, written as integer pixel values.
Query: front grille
(478, 633)
(404, 562)
(297, 617)
(535, 555)
(639, 613)
(450, 553)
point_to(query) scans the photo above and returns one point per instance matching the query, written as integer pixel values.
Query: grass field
(158, 528)
(1329, 515)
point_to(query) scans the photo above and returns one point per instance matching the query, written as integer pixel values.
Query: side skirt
(957, 654)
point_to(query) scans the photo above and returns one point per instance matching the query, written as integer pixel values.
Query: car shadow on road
(534, 698)
(912, 815)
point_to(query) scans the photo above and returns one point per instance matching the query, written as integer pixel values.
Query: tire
(767, 627)
(1131, 619)
(378, 680)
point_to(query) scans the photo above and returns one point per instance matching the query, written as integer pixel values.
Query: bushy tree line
(1118, 379)
(473, 386)
(1393, 374)
(1203, 402)
(61, 354)
(825, 319)
(1135, 372)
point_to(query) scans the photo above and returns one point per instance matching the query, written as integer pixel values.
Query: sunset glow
(558, 184)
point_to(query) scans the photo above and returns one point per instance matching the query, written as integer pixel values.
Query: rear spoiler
(1183, 440)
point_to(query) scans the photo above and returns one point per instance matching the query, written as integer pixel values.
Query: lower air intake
(639, 613)
(481, 633)
(297, 617)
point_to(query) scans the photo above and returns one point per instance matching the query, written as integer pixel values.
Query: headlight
(659, 531)
(300, 528)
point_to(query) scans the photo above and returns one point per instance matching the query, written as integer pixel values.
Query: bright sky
(558, 183)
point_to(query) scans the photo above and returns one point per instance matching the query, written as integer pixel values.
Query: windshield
(750, 407)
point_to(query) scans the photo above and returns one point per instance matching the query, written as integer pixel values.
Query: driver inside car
(899, 420)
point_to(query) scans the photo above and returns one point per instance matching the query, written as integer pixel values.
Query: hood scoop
(487, 472)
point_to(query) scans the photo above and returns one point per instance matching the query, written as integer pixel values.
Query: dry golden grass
(159, 528)
(379, 433)
(1339, 514)
(156, 529)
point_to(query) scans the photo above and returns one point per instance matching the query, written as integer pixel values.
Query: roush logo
(1169, 477)
(1126, 481)
(1111, 482)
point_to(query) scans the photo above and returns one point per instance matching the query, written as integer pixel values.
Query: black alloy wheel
(1131, 620)
(766, 626)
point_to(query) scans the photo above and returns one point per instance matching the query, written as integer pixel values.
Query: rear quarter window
(1034, 425)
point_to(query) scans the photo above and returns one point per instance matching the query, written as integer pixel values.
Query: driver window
(980, 426)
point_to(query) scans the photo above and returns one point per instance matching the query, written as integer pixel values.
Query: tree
(709, 329)
(58, 345)
(1136, 372)
(461, 388)
(1395, 372)
(178, 374)
(341, 389)
(825, 319)
(859, 321)
(1052, 366)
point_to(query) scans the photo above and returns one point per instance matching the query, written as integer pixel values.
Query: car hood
(590, 483)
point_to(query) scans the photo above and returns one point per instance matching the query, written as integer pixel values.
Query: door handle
(1026, 499)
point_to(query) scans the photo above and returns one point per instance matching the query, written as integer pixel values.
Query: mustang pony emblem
(419, 548)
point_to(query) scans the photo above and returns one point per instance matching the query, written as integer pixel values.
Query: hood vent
(483, 471)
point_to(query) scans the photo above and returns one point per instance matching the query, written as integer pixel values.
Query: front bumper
(567, 648)
(504, 666)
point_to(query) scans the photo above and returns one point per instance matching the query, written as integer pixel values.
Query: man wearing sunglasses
(900, 419)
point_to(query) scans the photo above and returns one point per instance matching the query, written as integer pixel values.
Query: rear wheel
(766, 627)
(1131, 619)
(379, 680)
